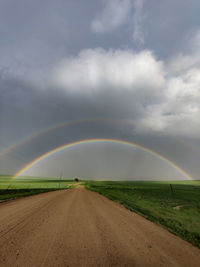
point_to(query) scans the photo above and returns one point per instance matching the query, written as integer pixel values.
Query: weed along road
(77, 227)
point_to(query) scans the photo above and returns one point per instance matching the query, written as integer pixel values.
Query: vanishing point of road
(77, 227)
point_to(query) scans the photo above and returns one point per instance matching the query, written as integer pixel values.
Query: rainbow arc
(116, 141)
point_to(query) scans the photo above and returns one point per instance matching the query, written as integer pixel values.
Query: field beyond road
(78, 227)
(27, 186)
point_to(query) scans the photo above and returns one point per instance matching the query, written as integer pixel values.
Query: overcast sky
(133, 63)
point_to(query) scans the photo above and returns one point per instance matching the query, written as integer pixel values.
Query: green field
(178, 209)
(26, 186)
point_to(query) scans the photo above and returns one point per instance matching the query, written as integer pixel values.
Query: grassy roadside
(6, 194)
(178, 210)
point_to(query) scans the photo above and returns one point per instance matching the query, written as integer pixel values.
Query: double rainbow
(116, 141)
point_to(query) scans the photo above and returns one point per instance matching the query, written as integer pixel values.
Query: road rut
(77, 227)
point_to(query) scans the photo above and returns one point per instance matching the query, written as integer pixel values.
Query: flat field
(176, 207)
(26, 186)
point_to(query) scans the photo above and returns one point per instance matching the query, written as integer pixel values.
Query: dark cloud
(28, 109)
(134, 72)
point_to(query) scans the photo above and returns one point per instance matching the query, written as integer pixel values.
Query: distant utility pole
(61, 175)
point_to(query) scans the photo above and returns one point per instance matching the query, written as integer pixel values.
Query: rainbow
(42, 132)
(59, 126)
(76, 122)
(88, 141)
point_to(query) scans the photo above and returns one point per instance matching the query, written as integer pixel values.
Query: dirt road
(77, 227)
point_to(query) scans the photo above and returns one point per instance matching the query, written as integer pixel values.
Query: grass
(17, 193)
(26, 186)
(177, 211)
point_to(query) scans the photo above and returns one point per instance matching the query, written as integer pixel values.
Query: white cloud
(183, 94)
(182, 62)
(96, 69)
(114, 14)
(179, 111)
(138, 34)
(144, 88)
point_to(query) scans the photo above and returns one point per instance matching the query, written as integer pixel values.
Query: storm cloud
(105, 67)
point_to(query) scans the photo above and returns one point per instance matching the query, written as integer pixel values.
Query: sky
(117, 69)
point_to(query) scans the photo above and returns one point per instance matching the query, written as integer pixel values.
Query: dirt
(77, 227)
(177, 208)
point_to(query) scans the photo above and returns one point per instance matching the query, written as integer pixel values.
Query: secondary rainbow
(60, 126)
(88, 141)
(77, 122)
